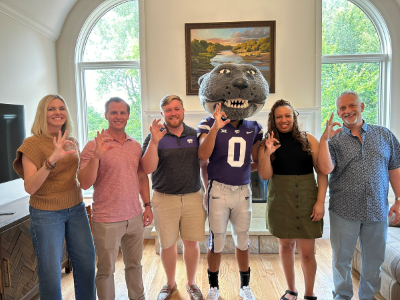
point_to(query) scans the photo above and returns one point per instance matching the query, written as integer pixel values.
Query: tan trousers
(108, 237)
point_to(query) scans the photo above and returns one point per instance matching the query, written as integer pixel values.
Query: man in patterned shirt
(362, 159)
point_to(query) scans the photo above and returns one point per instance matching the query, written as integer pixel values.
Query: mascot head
(241, 89)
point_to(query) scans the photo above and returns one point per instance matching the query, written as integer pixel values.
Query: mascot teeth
(237, 103)
(232, 88)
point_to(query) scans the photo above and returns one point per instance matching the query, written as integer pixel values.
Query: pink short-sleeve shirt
(116, 190)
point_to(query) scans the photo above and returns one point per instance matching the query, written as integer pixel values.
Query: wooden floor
(267, 278)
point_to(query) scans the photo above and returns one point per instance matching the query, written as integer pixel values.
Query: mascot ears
(241, 89)
(201, 79)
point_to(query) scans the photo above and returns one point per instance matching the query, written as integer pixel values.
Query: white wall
(28, 72)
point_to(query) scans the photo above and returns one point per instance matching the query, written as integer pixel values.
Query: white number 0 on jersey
(231, 151)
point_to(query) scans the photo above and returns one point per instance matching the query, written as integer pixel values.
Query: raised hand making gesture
(155, 130)
(269, 144)
(218, 115)
(59, 151)
(329, 132)
(101, 147)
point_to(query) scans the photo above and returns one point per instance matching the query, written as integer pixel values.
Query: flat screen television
(12, 134)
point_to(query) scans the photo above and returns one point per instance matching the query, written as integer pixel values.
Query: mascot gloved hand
(231, 93)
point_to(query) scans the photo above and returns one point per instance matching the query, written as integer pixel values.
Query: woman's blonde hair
(39, 126)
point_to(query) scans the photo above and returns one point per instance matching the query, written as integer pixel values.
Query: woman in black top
(295, 205)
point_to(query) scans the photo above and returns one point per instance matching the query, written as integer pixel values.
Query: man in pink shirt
(111, 163)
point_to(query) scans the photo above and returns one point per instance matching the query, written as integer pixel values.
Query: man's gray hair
(345, 93)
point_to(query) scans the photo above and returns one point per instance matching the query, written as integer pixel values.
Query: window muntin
(340, 77)
(346, 29)
(109, 67)
(115, 36)
(352, 59)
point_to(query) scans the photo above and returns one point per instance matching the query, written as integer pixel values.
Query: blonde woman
(48, 162)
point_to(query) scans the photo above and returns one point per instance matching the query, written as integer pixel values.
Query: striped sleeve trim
(204, 127)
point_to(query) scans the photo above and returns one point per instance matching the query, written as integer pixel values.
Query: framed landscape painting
(211, 44)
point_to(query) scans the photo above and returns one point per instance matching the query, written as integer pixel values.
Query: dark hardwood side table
(18, 262)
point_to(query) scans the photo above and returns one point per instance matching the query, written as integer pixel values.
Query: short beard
(174, 126)
(352, 123)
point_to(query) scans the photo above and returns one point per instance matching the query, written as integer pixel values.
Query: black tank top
(290, 159)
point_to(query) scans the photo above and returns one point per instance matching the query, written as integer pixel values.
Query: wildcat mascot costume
(231, 93)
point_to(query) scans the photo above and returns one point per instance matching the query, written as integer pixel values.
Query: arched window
(355, 48)
(107, 60)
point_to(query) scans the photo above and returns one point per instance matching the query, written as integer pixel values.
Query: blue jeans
(48, 230)
(372, 238)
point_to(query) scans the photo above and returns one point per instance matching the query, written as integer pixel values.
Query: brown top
(61, 188)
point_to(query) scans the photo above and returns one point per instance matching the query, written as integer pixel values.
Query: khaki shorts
(174, 214)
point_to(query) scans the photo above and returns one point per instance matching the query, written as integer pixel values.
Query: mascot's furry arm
(241, 89)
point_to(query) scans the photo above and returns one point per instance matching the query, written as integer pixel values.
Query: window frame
(81, 66)
(384, 58)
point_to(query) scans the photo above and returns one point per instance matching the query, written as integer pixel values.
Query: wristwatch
(149, 204)
(397, 199)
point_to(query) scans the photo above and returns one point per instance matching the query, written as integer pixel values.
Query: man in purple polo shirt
(111, 163)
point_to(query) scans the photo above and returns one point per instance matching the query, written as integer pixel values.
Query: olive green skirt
(290, 204)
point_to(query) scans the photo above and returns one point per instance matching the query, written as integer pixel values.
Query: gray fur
(232, 81)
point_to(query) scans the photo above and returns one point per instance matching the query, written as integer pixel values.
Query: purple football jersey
(230, 160)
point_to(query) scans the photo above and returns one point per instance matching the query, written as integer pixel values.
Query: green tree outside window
(347, 30)
(115, 37)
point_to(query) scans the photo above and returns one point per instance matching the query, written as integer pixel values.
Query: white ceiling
(46, 16)
(398, 2)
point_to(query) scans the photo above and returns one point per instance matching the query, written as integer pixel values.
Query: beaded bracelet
(48, 165)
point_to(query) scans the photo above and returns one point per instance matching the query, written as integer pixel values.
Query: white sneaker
(246, 293)
(213, 294)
